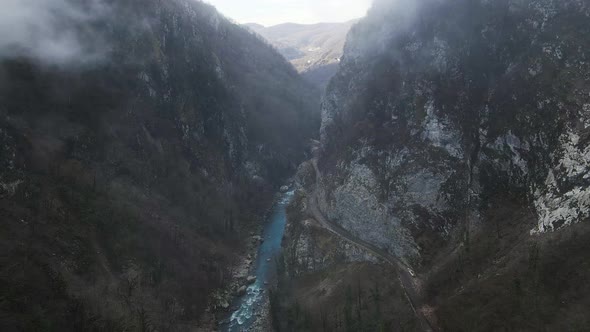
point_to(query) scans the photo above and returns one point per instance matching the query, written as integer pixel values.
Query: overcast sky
(271, 12)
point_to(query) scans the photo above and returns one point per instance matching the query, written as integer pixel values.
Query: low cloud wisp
(56, 32)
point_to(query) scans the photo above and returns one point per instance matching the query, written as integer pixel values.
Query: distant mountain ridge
(314, 49)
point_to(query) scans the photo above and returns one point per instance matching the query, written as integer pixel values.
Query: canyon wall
(139, 146)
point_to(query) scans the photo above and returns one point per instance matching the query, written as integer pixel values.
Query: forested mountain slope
(138, 142)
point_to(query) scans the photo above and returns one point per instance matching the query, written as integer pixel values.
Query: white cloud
(50, 31)
(271, 12)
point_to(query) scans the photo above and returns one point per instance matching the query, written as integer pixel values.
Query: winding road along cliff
(407, 278)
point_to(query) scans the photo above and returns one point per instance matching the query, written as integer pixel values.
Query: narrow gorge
(164, 168)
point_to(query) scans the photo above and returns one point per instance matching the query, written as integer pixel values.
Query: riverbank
(262, 321)
(220, 300)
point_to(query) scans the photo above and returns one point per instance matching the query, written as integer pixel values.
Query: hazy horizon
(273, 12)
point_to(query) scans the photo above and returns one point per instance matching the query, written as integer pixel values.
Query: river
(264, 269)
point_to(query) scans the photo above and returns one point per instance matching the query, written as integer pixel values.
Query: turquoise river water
(264, 269)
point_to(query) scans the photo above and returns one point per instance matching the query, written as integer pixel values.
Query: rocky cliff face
(455, 136)
(443, 109)
(133, 163)
(309, 248)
